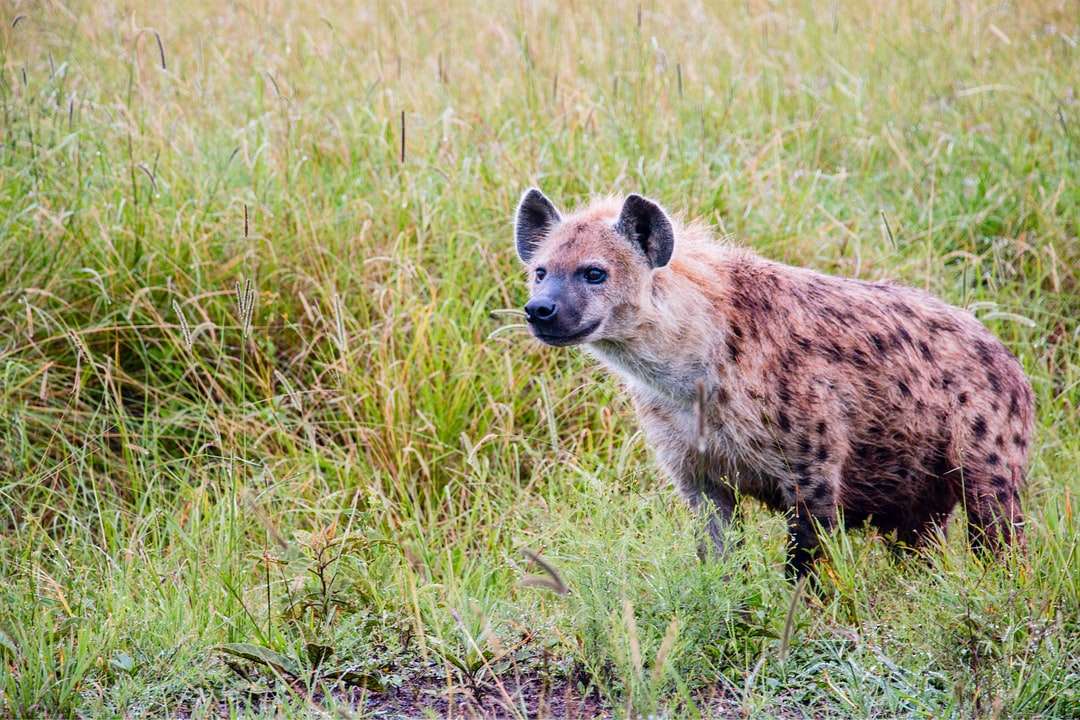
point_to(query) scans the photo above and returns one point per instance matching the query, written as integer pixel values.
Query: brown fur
(821, 393)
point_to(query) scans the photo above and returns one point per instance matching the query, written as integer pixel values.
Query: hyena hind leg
(995, 518)
(924, 532)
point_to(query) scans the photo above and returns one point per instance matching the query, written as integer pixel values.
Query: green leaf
(318, 654)
(261, 656)
(123, 662)
(358, 678)
(7, 645)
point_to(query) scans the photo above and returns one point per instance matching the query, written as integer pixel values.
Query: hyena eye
(540, 273)
(595, 276)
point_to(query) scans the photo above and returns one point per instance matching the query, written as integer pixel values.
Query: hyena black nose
(540, 310)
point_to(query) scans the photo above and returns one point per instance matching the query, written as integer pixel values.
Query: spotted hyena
(824, 397)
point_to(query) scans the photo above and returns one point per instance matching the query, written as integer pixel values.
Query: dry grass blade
(888, 229)
(340, 336)
(789, 620)
(264, 519)
(402, 157)
(699, 408)
(245, 304)
(185, 328)
(633, 642)
(161, 50)
(146, 171)
(551, 579)
(666, 646)
(290, 391)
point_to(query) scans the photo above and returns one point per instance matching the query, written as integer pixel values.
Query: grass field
(269, 446)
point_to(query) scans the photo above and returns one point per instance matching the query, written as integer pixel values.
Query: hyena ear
(535, 216)
(646, 225)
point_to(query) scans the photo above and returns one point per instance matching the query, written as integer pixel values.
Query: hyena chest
(710, 428)
(692, 416)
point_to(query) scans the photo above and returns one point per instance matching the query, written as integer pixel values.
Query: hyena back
(820, 396)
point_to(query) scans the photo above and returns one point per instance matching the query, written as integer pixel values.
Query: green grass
(363, 466)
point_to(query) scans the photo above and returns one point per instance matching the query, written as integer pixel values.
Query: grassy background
(359, 465)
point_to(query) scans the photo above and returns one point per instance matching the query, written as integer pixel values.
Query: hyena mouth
(569, 339)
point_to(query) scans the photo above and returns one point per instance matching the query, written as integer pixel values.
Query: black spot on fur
(733, 350)
(904, 309)
(750, 296)
(904, 389)
(832, 351)
(962, 398)
(879, 344)
(925, 350)
(992, 459)
(941, 465)
(821, 427)
(946, 380)
(994, 380)
(979, 427)
(823, 453)
(936, 326)
(986, 355)
(821, 491)
(783, 421)
(736, 331)
(1019, 441)
(783, 392)
(999, 441)
(1003, 496)
(1014, 404)
(804, 445)
(840, 315)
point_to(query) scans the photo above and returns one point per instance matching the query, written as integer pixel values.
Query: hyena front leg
(715, 504)
(813, 499)
(702, 485)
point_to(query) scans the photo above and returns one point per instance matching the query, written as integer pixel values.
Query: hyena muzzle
(826, 398)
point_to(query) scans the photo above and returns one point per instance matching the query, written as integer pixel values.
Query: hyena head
(587, 272)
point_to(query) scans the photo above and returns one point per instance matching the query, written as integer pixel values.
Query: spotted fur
(821, 396)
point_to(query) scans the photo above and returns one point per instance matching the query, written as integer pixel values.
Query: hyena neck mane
(675, 379)
(673, 348)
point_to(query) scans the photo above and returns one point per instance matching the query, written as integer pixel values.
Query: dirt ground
(529, 696)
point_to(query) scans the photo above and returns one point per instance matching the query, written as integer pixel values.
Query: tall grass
(352, 448)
